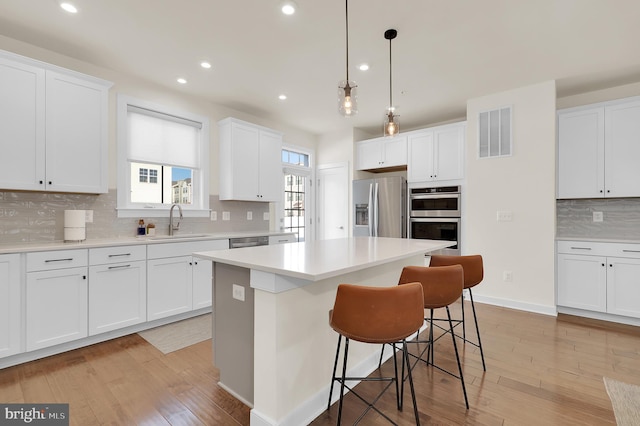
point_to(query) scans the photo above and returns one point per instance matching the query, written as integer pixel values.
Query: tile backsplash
(39, 217)
(621, 218)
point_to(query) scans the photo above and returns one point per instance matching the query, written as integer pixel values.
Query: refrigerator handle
(375, 210)
(370, 210)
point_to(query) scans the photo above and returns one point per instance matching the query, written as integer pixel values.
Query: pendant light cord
(390, 79)
(346, 7)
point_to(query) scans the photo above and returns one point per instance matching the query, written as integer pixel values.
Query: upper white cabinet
(381, 153)
(436, 153)
(53, 128)
(10, 305)
(250, 162)
(599, 150)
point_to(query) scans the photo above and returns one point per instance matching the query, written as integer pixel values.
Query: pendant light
(391, 123)
(347, 90)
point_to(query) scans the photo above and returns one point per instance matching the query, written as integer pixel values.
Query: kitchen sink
(178, 237)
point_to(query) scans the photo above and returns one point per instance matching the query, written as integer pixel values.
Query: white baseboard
(515, 304)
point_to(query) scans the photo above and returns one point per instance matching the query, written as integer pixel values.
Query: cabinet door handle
(58, 260)
(610, 265)
(631, 251)
(84, 277)
(50, 182)
(41, 182)
(119, 267)
(580, 248)
(118, 255)
(603, 264)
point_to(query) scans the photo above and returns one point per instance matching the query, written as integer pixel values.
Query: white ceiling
(447, 51)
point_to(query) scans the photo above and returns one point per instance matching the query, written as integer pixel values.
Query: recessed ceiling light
(282, 97)
(69, 7)
(205, 64)
(364, 67)
(288, 7)
(182, 81)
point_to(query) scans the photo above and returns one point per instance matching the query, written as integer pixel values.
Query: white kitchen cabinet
(10, 305)
(202, 283)
(178, 282)
(582, 282)
(53, 128)
(56, 297)
(250, 162)
(382, 153)
(436, 154)
(599, 150)
(623, 286)
(599, 277)
(117, 288)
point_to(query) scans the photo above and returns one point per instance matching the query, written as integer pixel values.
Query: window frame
(125, 208)
(309, 174)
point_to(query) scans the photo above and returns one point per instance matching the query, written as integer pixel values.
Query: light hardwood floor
(540, 370)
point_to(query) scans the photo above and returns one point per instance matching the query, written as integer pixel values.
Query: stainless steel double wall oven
(435, 214)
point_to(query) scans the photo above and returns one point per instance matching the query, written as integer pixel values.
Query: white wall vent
(494, 133)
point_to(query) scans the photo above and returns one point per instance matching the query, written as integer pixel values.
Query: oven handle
(436, 219)
(432, 196)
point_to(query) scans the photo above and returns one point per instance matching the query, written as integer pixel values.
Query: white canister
(74, 225)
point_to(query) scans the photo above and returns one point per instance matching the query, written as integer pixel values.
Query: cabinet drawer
(159, 251)
(281, 239)
(107, 255)
(59, 259)
(593, 248)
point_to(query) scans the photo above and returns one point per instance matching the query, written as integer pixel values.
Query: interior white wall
(175, 99)
(601, 95)
(524, 184)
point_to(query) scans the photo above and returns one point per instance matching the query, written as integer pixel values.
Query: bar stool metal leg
(475, 320)
(333, 375)
(455, 349)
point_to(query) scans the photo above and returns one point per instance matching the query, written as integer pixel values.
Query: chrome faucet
(176, 227)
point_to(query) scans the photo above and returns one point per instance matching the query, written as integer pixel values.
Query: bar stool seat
(376, 315)
(473, 275)
(441, 286)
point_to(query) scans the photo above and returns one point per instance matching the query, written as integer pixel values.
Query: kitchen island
(272, 341)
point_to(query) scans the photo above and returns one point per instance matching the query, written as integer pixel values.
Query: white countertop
(125, 241)
(318, 260)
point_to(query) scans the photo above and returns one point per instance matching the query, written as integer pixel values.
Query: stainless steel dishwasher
(248, 242)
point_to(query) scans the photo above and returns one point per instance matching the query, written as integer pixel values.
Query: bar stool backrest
(377, 314)
(441, 286)
(472, 265)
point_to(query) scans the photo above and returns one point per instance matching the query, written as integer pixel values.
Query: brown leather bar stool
(376, 315)
(473, 275)
(441, 287)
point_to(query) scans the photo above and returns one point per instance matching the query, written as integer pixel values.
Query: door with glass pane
(297, 193)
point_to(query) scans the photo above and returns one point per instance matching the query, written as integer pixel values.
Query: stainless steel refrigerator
(380, 207)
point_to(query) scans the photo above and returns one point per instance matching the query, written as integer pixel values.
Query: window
(163, 159)
(297, 192)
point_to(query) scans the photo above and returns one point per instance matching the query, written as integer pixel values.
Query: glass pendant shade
(347, 98)
(391, 124)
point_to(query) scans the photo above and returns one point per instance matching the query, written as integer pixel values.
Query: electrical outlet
(504, 216)
(88, 216)
(507, 276)
(598, 216)
(249, 215)
(238, 292)
(226, 216)
(214, 215)
(265, 216)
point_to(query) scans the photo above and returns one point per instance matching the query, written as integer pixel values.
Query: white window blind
(162, 139)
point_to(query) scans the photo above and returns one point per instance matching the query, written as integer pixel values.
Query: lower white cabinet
(117, 288)
(599, 277)
(169, 288)
(10, 305)
(56, 307)
(178, 282)
(202, 283)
